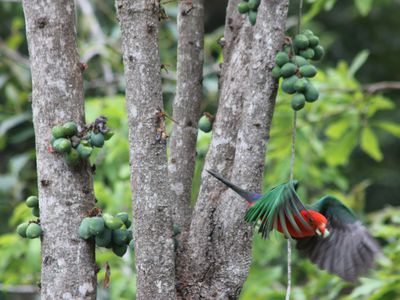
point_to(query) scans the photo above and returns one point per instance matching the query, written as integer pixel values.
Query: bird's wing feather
(279, 204)
(349, 251)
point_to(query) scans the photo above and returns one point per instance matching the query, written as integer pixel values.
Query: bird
(327, 232)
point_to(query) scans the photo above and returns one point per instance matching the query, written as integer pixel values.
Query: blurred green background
(348, 141)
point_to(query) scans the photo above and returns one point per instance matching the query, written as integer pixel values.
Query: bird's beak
(325, 233)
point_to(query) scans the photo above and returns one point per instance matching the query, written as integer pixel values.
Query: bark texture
(65, 194)
(149, 171)
(186, 107)
(219, 245)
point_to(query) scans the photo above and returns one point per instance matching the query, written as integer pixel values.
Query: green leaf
(390, 127)
(337, 129)
(364, 6)
(370, 144)
(377, 103)
(338, 152)
(358, 61)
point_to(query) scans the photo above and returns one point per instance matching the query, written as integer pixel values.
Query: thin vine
(292, 159)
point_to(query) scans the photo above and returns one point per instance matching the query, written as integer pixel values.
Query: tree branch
(186, 108)
(151, 197)
(68, 264)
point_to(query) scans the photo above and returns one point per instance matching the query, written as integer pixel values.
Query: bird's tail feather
(249, 196)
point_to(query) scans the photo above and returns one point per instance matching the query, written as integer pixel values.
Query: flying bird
(327, 232)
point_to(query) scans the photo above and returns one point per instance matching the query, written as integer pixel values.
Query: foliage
(345, 121)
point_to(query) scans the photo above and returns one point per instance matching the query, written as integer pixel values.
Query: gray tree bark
(149, 170)
(218, 255)
(186, 107)
(65, 194)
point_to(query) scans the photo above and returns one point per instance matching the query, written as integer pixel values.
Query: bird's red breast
(315, 220)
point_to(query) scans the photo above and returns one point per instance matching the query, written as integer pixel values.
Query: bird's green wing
(349, 250)
(281, 203)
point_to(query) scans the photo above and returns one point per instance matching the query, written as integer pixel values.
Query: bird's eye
(310, 220)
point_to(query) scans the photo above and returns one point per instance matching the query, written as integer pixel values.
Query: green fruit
(254, 4)
(300, 85)
(318, 52)
(33, 231)
(252, 17)
(97, 139)
(62, 145)
(119, 237)
(32, 201)
(301, 41)
(299, 60)
(298, 101)
(72, 158)
(288, 84)
(281, 58)
(108, 135)
(84, 151)
(96, 225)
(123, 216)
(308, 33)
(243, 7)
(308, 71)
(84, 231)
(314, 41)
(128, 223)
(276, 72)
(58, 131)
(287, 49)
(111, 222)
(70, 129)
(311, 94)
(129, 235)
(205, 124)
(176, 229)
(104, 238)
(288, 70)
(21, 229)
(309, 53)
(132, 245)
(36, 212)
(119, 250)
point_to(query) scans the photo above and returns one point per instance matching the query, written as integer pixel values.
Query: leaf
(377, 103)
(337, 129)
(338, 152)
(107, 276)
(390, 127)
(13, 121)
(358, 61)
(370, 144)
(364, 6)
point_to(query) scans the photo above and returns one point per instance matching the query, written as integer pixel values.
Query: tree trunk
(65, 194)
(151, 196)
(186, 108)
(218, 255)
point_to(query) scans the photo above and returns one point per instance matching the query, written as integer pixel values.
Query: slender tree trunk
(219, 246)
(186, 108)
(68, 264)
(151, 196)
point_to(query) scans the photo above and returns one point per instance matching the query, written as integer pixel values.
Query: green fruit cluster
(293, 65)
(249, 7)
(31, 229)
(206, 123)
(109, 231)
(78, 145)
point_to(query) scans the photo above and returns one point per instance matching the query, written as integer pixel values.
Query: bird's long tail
(248, 196)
